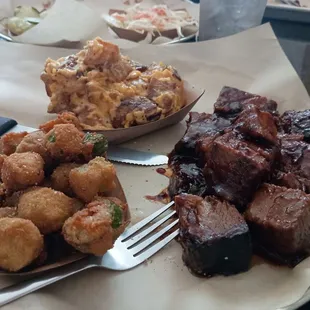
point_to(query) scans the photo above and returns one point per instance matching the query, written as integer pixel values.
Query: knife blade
(115, 153)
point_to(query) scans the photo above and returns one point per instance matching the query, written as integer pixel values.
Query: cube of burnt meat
(214, 236)
(135, 110)
(293, 166)
(186, 177)
(200, 125)
(279, 221)
(235, 168)
(256, 124)
(297, 122)
(232, 101)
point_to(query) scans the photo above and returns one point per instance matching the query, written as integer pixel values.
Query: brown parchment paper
(252, 61)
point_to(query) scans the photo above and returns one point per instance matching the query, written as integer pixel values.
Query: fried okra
(46, 208)
(63, 118)
(21, 243)
(10, 141)
(94, 229)
(90, 179)
(97, 142)
(60, 178)
(65, 142)
(20, 170)
(34, 142)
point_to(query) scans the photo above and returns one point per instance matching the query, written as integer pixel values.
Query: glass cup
(220, 18)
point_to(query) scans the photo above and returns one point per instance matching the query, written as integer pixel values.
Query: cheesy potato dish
(107, 90)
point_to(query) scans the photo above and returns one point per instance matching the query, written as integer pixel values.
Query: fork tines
(136, 238)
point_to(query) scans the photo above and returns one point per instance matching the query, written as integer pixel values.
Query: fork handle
(21, 289)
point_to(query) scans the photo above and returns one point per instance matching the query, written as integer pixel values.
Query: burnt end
(293, 166)
(140, 109)
(279, 221)
(297, 122)
(200, 126)
(235, 168)
(232, 101)
(256, 124)
(214, 236)
(156, 87)
(187, 177)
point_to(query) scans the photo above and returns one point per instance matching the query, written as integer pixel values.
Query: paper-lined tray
(135, 36)
(252, 61)
(67, 23)
(70, 23)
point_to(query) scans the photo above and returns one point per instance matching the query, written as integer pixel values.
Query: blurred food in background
(24, 18)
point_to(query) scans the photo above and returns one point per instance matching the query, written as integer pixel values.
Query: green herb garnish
(117, 215)
(52, 138)
(99, 141)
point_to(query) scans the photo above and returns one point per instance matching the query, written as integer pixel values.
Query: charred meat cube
(256, 124)
(200, 125)
(135, 110)
(297, 122)
(214, 236)
(186, 177)
(293, 167)
(279, 221)
(232, 101)
(167, 93)
(235, 168)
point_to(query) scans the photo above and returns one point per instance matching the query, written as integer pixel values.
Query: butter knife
(115, 153)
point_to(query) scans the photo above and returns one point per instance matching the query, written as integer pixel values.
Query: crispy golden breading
(94, 83)
(10, 141)
(2, 158)
(21, 243)
(90, 179)
(7, 212)
(34, 142)
(63, 118)
(94, 229)
(64, 142)
(60, 178)
(46, 208)
(21, 170)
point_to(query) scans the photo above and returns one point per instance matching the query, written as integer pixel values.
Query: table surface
(295, 41)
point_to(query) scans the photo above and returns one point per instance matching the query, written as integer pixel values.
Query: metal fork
(131, 249)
